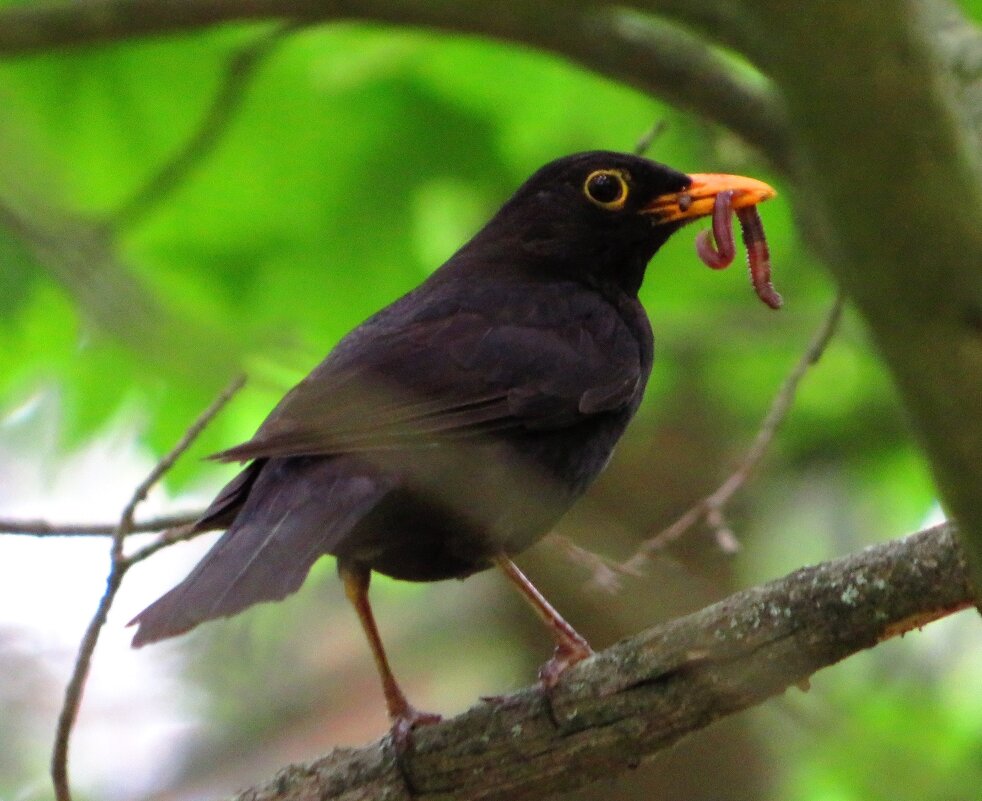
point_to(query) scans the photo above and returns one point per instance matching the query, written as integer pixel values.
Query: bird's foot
(403, 724)
(567, 654)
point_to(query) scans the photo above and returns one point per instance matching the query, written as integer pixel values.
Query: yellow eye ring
(607, 189)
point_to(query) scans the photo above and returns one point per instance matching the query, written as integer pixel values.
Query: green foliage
(973, 8)
(358, 159)
(329, 194)
(916, 741)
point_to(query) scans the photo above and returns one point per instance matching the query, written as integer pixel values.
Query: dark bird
(452, 429)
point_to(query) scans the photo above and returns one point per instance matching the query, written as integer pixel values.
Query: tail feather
(227, 504)
(296, 511)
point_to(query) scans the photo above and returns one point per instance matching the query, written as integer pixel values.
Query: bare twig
(76, 684)
(711, 508)
(241, 69)
(169, 537)
(183, 444)
(605, 573)
(45, 528)
(119, 564)
(647, 139)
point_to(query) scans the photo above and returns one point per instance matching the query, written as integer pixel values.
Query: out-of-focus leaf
(923, 750)
(360, 158)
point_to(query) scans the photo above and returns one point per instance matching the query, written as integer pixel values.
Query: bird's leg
(570, 646)
(404, 716)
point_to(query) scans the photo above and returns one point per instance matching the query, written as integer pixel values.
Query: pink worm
(758, 256)
(721, 255)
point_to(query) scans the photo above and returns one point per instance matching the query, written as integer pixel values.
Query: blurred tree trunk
(887, 178)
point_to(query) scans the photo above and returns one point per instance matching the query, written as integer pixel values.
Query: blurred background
(338, 167)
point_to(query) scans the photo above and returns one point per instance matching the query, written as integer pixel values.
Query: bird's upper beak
(699, 198)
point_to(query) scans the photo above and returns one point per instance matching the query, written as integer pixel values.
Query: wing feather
(454, 371)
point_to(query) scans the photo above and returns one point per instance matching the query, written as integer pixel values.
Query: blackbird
(451, 430)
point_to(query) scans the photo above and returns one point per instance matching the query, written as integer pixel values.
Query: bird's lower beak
(699, 198)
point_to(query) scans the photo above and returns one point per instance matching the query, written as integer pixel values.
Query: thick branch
(651, 55)
(43, 26)
(640, 696)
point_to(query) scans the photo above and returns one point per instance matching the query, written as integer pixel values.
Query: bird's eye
(606, 188)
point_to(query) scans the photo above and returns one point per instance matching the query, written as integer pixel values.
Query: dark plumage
(451, 430)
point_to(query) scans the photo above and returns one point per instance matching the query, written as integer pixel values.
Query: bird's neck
(612, 273)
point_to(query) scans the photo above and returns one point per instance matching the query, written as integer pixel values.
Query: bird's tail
(296, 510)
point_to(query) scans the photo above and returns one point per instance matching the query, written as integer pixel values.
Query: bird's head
(600, 216)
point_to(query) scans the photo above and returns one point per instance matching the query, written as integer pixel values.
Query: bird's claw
(565, 656)
(405, 722)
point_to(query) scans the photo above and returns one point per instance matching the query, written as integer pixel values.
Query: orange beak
(699, 198)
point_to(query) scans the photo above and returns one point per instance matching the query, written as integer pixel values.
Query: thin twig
(182, 445)
(119, 564)
(711, 507)
(76, 684)
(605, 573)
(648, 138)
(241, 69)
(45, 528)
(169, 537)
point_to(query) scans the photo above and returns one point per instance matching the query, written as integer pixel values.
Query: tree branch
(45, 528)
(650, 54)
(239, 73)
(37, 27)
(642, 695)
(80, 255)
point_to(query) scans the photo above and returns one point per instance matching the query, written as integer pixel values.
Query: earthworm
(722, 254)
(758, 255)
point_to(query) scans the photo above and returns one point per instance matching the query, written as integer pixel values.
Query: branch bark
(643, 694)
(652, 55)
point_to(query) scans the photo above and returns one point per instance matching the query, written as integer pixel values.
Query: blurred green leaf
(359, 159)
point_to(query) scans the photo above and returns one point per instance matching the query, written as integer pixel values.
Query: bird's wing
(457, 372)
